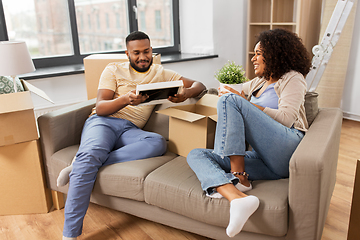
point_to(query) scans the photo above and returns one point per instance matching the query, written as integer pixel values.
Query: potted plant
(231, 75)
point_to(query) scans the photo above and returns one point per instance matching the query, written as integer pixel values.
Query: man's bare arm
(106, 104)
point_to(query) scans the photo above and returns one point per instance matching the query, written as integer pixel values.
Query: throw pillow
(7, 85)
(311, 106)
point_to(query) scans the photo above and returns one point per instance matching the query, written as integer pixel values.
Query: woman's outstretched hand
(229, 89)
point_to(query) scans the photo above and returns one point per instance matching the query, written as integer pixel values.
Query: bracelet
(240, 173)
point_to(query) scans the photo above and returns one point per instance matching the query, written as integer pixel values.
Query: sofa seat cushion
(175, 187)
(127, 179)
(63, 158)
(121, 179)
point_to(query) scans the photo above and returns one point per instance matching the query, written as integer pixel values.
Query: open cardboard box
(17, 119)
(192, 126)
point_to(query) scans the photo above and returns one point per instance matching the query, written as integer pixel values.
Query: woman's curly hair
(283, 51)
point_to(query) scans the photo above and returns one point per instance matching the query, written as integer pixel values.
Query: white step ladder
(322, 52)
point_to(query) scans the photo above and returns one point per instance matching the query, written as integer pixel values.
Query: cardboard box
(96, 63)
(22, 181)
(17, 119)
(192, 126)
(353, 229)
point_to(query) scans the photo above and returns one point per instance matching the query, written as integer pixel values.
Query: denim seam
(224, 128)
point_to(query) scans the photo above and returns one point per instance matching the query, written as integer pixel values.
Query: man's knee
(157, 143)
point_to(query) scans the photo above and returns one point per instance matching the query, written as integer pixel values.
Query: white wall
(211, 27)
(207, 27)
(351, 94)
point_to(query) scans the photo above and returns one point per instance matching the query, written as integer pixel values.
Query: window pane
(155, 19)
(43, 25)
(102, 25)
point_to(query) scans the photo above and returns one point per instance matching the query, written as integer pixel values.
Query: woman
(271, 119)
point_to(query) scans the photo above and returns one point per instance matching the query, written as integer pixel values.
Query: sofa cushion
(175, 187)
(120, 179)
(63, 158)
(127, 179)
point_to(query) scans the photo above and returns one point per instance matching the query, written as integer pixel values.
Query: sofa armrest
(62, 128)
(313, 175)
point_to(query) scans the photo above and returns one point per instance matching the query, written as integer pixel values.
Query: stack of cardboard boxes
(22, 180)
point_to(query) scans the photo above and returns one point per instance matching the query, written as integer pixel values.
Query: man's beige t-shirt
(122, 78)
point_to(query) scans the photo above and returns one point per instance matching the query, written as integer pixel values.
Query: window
(158, 20)
(118, 23)
(98, 21)
(60, 32)
(142, 20)
(107, 21)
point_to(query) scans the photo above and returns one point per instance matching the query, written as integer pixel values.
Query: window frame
(77, 57)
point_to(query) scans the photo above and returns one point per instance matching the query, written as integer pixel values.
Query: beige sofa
(165, 190)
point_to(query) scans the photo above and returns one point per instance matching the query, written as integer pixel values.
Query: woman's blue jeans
(104, 141)
(238, 120)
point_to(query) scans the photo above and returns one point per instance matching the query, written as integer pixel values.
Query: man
(113, 134)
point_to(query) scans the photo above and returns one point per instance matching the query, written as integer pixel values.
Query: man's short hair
(137, 35)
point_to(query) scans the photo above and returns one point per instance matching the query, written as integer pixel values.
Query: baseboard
(351, 116)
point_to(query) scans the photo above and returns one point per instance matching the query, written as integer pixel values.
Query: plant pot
(236, 87)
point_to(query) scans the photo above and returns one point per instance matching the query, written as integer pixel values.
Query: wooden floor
(104, 224)
(337, 221)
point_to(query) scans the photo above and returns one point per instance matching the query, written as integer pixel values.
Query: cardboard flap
(180, 114)
(214, 117)
(13, 104)
(37, 91)
(209, 100)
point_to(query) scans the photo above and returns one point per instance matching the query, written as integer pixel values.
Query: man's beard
(140, 69)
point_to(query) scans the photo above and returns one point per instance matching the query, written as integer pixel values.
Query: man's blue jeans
(104, 141)
(238, 120)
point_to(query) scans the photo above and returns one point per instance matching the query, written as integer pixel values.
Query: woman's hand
(229, 89)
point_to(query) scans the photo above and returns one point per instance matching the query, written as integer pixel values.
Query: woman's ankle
(243, 178)
(230, 192)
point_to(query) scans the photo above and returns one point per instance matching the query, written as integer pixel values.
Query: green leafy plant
(231, 73)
